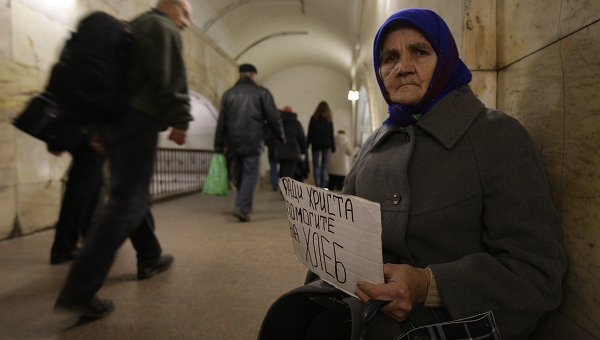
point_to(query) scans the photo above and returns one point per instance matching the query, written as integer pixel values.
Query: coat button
(396, 198)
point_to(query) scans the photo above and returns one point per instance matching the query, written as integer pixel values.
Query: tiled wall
(549, 79)
(32, 32)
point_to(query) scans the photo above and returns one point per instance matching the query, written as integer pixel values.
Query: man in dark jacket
(240, 131)
(290, 153)
(160, 100)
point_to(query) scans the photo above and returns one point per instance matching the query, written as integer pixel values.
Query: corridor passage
(225, 276)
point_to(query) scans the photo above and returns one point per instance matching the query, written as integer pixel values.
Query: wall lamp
(353, 95)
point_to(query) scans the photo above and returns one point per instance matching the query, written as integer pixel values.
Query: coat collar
(447, 121)
(158, 11)
(245, 80)
(450, 118)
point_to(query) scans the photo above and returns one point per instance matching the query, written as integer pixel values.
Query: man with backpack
(159, 100)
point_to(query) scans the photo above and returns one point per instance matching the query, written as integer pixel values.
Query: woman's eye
(389, 59)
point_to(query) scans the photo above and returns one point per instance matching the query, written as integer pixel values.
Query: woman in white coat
(339, 161)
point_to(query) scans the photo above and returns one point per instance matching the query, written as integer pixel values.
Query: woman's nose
(405, 65)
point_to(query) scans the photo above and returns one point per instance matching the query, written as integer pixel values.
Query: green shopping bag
(217, 182)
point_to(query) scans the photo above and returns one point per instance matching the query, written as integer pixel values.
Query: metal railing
(178, 171)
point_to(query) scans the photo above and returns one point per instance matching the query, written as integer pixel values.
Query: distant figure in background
(339, 161)
(80, 199)
(293, 150)
(302, 170)
(320, 136)
(273, 171)
(245, 109)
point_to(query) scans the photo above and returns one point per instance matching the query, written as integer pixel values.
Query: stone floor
(225, 276)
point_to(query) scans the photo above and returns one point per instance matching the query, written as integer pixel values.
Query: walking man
(241, 131)
(160, 100)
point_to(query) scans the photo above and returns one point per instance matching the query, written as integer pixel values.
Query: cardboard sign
(338, 237)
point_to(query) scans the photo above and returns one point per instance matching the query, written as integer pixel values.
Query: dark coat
(245, 109)
(473, 204)
(320, 134)
(295, 142)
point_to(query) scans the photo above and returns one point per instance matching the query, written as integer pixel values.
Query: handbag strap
(372, 307)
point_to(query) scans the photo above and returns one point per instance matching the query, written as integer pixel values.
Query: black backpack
(90, 80)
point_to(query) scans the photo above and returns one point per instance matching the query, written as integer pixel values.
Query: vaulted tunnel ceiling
(278, 34)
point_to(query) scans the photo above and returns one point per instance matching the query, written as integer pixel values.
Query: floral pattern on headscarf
(450, 72)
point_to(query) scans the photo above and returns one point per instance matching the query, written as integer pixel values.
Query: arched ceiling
(278, 34)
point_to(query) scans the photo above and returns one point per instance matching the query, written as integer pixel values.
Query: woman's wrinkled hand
(405, 286)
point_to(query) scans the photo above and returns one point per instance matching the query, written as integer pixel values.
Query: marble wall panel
(18, 84)
(576, 14)
(61, 11)
(17, 79)
(8, 209)
(556, 325)
(59, 166)
(452, 11)
(38, 205)
(532, 91)
(580, 53)
(33, 159)
(207, 68)
(581, 226)
(565, 329)
(484, 84)
(8, 164)
(524, 27)
(479, 39)
(193, 44)
(5, 31)
(144, 5)
(579, 203)
(84, 7)
(37, 39)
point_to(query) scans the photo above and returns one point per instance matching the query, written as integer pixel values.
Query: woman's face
(407, 65)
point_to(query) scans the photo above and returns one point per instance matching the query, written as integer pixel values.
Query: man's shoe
(240, 215)
(148, 271)
(58, 258)
(93, 309)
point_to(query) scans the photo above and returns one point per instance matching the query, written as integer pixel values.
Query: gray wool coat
(465, 194)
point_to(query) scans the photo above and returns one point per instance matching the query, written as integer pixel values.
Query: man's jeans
(273, 174)
(320, 162)
(246, 174)
(130, 143)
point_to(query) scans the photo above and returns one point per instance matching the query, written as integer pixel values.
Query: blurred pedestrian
(245, 109)
(160, 100)
(339, 161)
(273, 168)
(291, 152)
(320, 136)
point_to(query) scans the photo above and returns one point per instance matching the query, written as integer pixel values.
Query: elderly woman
(468, 220)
